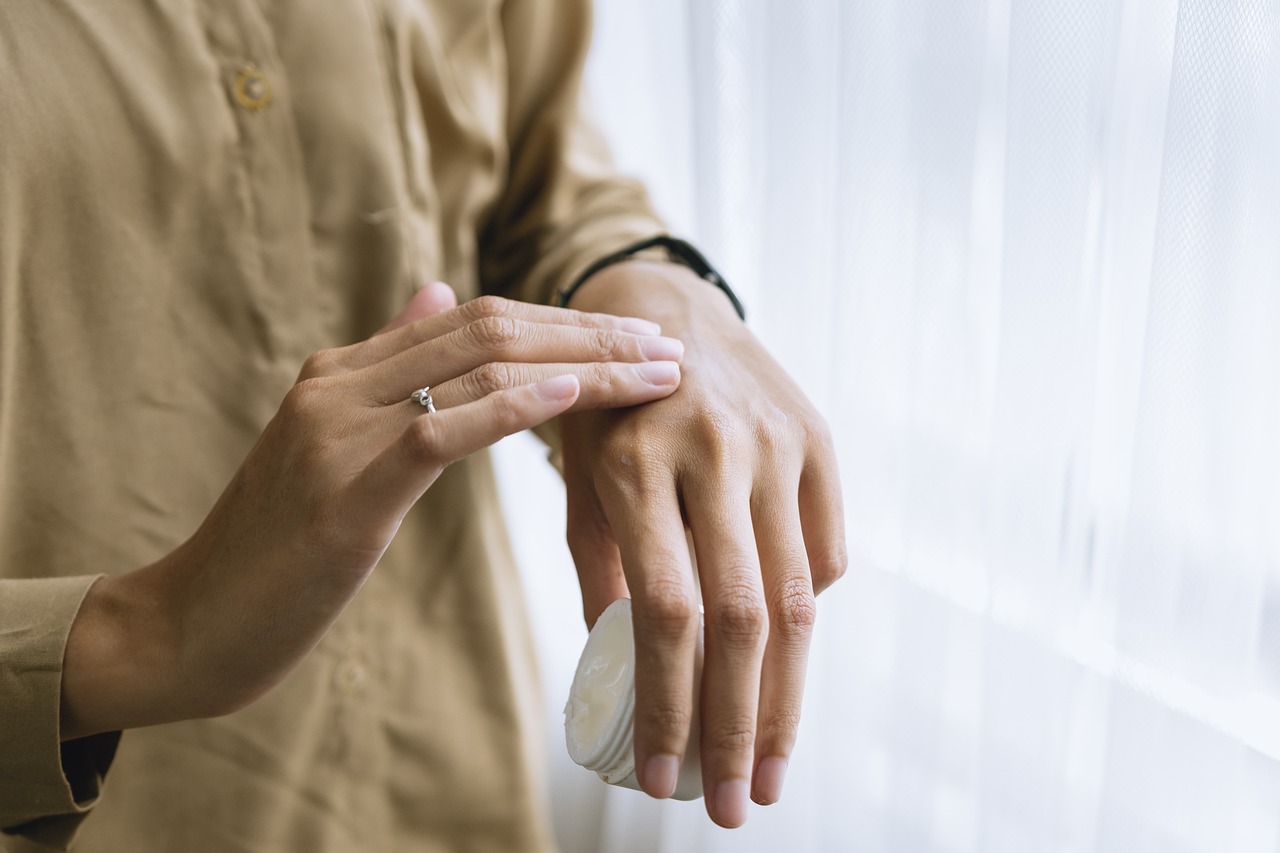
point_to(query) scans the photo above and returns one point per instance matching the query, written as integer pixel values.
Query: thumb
(434, 298)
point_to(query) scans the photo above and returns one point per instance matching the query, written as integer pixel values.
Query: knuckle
(602, 345)
(794, 612)
(495, 334)
(775, 436)
(313, 428)
(669, 611)
(720, 439)
(602, 379)
(325, 362)
(488, 306)
(736, 734)
(492, 376)
(667, 718)
(422, 441)
(818, 432)
(306, 399)
(738, 616)
(780, 725)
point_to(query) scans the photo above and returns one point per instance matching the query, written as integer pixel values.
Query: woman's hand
(742, 460)
(215, 624)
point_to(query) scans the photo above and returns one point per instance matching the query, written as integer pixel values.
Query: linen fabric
(194, 196)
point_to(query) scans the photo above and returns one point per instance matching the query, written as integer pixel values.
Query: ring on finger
(423, 398)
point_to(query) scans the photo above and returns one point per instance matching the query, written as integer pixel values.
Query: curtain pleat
(1025, 256)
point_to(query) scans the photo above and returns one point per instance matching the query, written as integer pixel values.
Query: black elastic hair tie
(677, 250)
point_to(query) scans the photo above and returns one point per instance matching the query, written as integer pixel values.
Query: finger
(822, 515)
(503, 339)
(736, 630)
(594, 549)
(587, 532)
(431, 300)
(398, 476)
(645, 518)
(435, 298)
(607, 385)
(398, 338)
(789, 597)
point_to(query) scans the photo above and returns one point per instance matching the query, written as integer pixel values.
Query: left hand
(225, 616)
(740, 456)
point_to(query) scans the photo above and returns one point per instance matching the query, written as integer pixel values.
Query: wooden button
(251, 88)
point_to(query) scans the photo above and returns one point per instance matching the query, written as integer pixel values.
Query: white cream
(599, 716)
(601, 685)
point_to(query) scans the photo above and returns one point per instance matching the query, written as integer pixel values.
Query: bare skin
(736, 453)
(215, 624)
(742, 458)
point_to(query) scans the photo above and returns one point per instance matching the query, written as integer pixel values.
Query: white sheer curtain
(1025, 255)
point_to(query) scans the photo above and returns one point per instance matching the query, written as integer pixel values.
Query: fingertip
(429, 300)
(558, 389)
(660, 373)
(727, 803)
(767, 784)
(660, 348)
(637, 326)
(661, 773)
(436, 297)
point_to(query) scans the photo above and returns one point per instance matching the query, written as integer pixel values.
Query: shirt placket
(273, 189)
(284, 293)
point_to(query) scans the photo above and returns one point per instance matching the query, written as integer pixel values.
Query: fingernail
(438, 291)
(768, 782)
(661, 349)
(636, 326)
(659, 372)
(557, 388)
(729, 803)
(660, 775)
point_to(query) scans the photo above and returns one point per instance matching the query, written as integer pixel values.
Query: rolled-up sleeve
(46, 787)
(564, 205)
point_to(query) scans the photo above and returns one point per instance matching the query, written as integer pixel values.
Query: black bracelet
(677, 250)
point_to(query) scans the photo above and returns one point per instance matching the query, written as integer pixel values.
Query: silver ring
(423, 398)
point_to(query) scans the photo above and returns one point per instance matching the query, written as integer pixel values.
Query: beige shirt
(194, 195)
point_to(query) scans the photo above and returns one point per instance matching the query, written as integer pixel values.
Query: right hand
(215, 624)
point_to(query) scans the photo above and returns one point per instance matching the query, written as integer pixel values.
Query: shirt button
(351, 677)
(251, 89)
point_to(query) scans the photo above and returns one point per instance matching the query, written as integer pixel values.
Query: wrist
(662, 247)
(120, 659)
(665, 292)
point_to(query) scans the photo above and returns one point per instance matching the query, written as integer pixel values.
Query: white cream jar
(599, 718)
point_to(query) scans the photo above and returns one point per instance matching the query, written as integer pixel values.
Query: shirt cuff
(46, 787)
